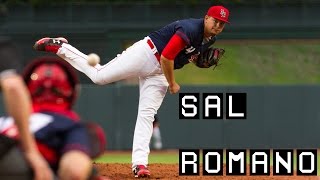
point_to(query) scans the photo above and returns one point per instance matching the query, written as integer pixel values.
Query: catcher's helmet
(51, 80)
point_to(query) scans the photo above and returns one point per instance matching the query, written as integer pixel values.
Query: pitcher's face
(212, 26)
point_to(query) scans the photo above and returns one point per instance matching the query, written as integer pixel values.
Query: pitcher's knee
(98, 81)
(147, 114)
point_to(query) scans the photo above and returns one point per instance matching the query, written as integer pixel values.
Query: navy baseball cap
(219, 12)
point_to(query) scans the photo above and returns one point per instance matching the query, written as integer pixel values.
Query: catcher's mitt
(210, 57)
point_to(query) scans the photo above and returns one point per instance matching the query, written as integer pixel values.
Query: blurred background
(272, 54)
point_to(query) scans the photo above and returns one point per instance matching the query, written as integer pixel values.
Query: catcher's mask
(50, 80)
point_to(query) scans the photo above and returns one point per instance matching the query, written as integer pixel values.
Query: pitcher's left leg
(152, 92)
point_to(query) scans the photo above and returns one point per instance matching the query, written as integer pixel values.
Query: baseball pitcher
(152, 59)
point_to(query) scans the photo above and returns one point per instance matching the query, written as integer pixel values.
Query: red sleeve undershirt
(174, 46)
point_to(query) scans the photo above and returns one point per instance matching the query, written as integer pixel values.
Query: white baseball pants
(136, 61)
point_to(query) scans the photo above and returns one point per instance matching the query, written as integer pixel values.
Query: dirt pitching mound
(118, 171)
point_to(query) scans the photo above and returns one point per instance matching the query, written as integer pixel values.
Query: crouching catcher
(68, 144)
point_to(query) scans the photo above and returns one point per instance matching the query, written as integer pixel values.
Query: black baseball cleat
(49, 44)
(141, 171)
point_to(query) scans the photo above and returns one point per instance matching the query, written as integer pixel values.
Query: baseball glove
(210, 57)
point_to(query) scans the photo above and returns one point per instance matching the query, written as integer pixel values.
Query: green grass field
(171, 157)
(259, 62)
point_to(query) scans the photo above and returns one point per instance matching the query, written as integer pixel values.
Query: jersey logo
(56, 41)
(222, 13)
(190, 50)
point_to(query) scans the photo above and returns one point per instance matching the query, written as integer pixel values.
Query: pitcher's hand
(174, 88)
